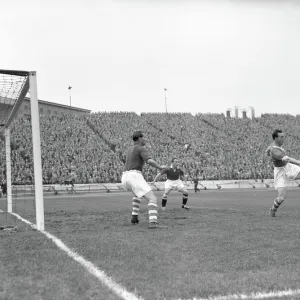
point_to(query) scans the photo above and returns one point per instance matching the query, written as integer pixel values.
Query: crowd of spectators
(71, 151)
(92, 148)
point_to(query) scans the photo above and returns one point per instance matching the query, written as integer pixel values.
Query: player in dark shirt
(133, 180)
(173, 182)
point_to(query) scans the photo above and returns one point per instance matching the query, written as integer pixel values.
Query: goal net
(18, 158)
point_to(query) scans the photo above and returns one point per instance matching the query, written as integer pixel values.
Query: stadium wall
(47, 108)
(159, 186)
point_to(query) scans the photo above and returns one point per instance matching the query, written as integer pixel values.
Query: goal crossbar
(15, 72)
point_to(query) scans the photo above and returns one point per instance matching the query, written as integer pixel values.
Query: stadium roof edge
(61, 105)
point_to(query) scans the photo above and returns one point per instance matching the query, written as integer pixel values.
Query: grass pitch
(226, 244)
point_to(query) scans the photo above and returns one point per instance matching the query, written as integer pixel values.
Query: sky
(121, 55)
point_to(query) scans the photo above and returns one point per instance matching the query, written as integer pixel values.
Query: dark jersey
(136, 157)
(277, 154)
(172, 174)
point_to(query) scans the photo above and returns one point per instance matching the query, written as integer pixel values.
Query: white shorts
(282, 175)
(134, 181)
(174, 185)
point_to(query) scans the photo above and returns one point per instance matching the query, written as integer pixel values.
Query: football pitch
(226, 247)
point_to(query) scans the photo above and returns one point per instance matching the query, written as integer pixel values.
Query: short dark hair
(174, 159)
(136, 135)
(275, 133)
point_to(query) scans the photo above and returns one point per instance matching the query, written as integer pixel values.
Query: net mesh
(12, 89)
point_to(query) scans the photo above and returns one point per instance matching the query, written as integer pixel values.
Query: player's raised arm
(162, 172)
(154, 164)
(150, 161)
(291, 160)
(279, 155)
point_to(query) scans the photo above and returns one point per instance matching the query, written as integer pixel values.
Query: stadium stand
(91, 149)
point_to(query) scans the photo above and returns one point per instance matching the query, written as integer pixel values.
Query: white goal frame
(29, 85)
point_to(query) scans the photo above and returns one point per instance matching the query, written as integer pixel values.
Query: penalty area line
(90, 267)
(254, 296)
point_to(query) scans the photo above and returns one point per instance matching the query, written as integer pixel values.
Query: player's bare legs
(165, 198)
(185, 196)
(280, 198)
(278, 201)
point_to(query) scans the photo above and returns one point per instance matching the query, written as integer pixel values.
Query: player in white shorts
(173, 182)
(285, 168)
(133, 180)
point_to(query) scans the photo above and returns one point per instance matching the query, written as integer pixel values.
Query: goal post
(14, 86)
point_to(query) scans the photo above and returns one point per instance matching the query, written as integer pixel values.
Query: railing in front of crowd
(69, 189)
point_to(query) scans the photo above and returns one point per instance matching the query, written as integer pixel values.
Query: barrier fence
(57, 189)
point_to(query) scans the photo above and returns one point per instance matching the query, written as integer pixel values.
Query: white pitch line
(254, 296)
(121, 291)
(92, 269)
